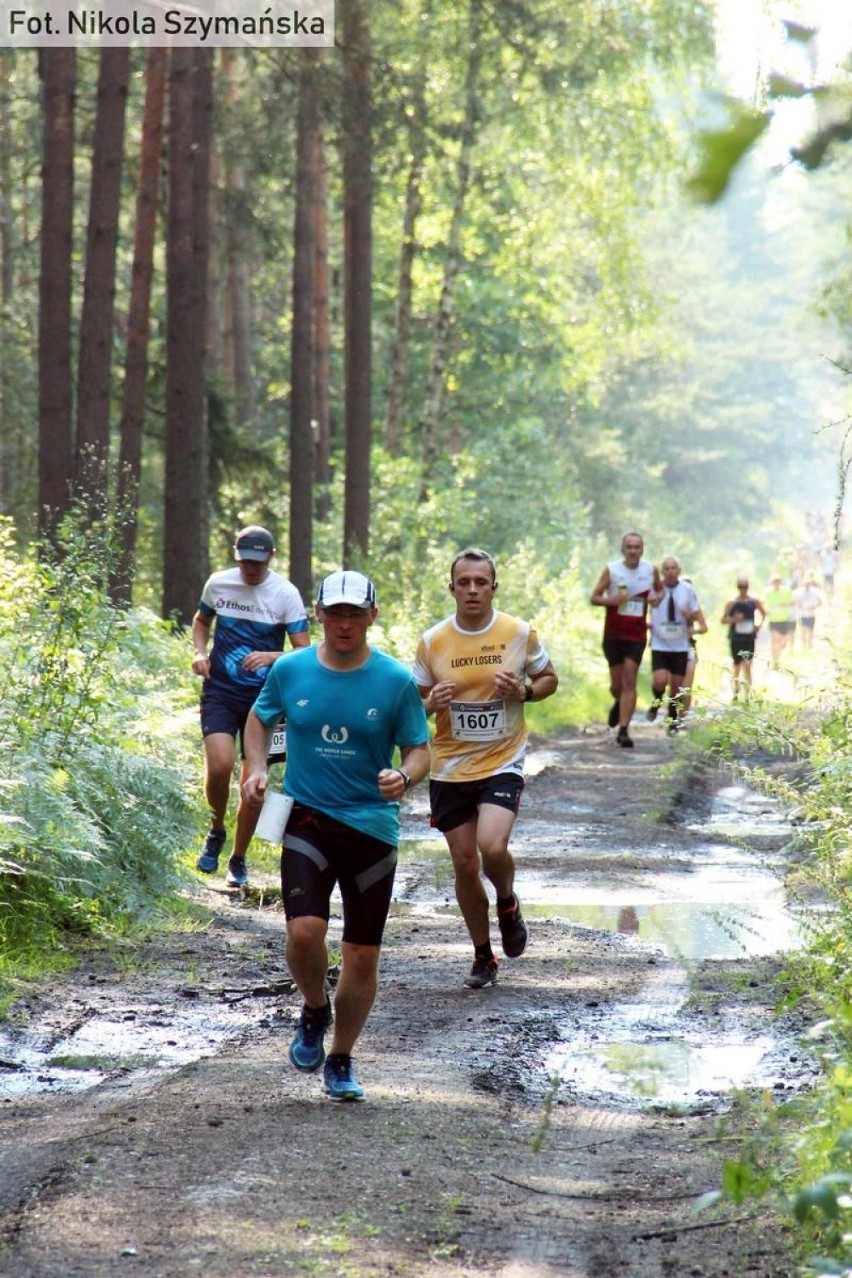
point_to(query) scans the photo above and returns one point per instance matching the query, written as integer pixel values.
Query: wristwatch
(406, 779)
(528, 691)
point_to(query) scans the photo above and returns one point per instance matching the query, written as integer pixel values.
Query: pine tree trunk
(402, 330)
(357, 235)
(136, 358)
(185, 558)
(57, 68)
(94, 364)
(238, 312)
(213, 341)
(10, 477)
(301, 361)
(322, 324)
(443, 320)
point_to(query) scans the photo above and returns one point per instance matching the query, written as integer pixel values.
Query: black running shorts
(617, 651)
(320, 852)
(454, 802)
(674, 662)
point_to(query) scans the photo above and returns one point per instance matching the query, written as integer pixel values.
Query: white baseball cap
(346, 587)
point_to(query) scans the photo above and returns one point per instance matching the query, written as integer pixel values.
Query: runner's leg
(493, 831)
(470, 892)
(219, 754)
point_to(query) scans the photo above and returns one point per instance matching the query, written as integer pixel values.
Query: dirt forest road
(467, 1157)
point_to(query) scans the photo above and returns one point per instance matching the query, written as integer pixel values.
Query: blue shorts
(221, 712)
(454, 802)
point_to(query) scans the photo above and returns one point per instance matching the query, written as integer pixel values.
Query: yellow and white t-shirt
(480, 733)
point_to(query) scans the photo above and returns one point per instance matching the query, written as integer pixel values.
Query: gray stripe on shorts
(367, 878)
(292, 843)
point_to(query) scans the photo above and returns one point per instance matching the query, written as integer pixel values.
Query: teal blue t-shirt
(342, 727)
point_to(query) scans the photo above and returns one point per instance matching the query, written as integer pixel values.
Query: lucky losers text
(170, 22)
(496, 660)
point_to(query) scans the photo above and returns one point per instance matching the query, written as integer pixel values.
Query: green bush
(99, 759)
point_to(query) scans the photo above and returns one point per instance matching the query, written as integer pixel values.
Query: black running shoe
(615, 711)
(624, 739)
(651, 712)
(513, 929)
(482, 974)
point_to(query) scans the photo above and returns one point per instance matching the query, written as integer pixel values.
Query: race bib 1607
(478, 720)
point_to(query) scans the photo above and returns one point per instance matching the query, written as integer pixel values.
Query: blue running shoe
(237, 875)
(307, 1050)
(208, 862)
(339, 1080)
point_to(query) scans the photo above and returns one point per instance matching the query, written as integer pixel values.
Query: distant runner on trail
(671, 626)
(698, 627)
(740, 616)
(625, 588)
(808, 599)
(475, 671)
(828, 565)
(347, 707)
(253, 608)
(781, 614)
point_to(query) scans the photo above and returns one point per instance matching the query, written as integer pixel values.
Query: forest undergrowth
(94, 713)
(798, 1153)
(98, 715)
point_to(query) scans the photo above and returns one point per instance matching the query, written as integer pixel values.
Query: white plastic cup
(274, 816)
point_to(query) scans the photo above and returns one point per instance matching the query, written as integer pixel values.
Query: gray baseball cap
(254, 542)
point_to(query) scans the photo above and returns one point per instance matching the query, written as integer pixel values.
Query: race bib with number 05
(278, 744)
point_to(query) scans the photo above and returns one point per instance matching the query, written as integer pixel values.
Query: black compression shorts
(320, 852)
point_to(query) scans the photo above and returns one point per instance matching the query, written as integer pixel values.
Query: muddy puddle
(109, 1046)
(708, 891)
(726, 902)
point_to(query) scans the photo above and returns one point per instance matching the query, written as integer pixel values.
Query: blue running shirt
(342, 727)
(248, 619)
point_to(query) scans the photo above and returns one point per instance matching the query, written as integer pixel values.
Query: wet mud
(563, 1122)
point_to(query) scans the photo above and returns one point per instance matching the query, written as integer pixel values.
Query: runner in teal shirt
(342, 727)
(347, 709)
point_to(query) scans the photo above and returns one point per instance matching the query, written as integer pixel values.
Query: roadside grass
(797, 1153)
